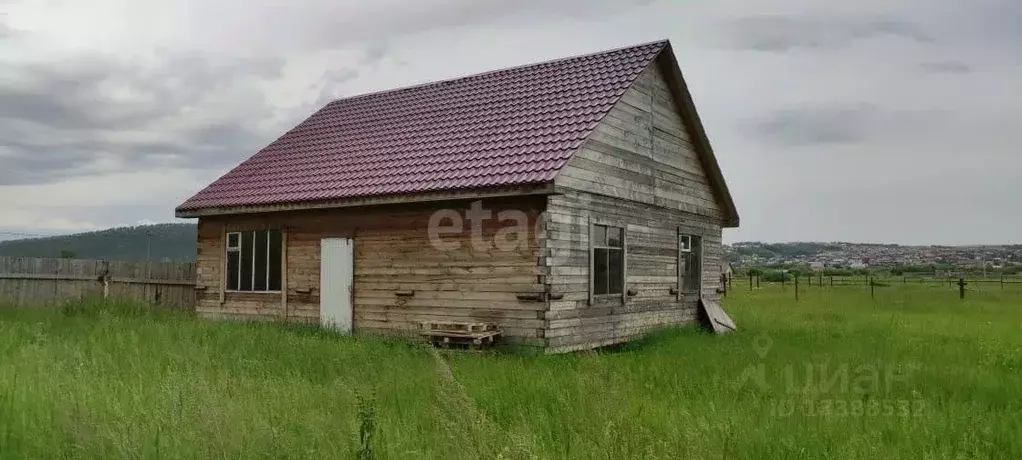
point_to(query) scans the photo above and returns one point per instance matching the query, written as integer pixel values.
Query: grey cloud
(323, 25)
(54, 96)
(998, 23)
(63, 115)
(841, 123)
(61, 118)
(225, 132)
(375, 52)
(6, 30)
(330, 82)
(816, 125)
(776, 33)
(953, 67)
(26, 164)
(891, 27)
(77, 95)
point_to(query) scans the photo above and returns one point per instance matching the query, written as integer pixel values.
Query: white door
(335, 283)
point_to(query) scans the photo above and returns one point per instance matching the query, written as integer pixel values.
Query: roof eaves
(544, 188)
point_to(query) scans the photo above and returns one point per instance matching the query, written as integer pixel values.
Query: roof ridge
(662, 42)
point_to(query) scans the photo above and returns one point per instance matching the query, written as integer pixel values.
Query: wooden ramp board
(720, 322)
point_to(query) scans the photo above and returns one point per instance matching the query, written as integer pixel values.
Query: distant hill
(166, 242)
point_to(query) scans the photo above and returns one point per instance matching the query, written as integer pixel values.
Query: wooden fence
(819, 281)
(32, 282)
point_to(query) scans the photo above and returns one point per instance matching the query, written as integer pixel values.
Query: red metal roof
(509, 127)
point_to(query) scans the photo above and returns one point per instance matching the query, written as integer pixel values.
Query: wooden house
(576, 203)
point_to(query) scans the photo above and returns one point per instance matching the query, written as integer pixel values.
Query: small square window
(686, 243)
(614, 237)
(233, 240)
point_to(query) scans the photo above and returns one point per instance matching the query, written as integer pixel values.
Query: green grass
(928, 376)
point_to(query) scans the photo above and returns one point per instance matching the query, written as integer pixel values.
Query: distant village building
(816, 265)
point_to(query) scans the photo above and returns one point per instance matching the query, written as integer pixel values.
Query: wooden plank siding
(639, 171)
(393, 253)
(642, 151)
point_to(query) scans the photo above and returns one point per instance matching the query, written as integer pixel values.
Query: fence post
(784, 281)
(750, 281)
(961, 288)
(872, 288)
(1002, 281)
(723, 282)
(831, 280)
(757, 281)
(105, 276)
(796, 287)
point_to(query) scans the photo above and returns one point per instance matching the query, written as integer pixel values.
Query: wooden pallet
(455, 326)
(473, 336)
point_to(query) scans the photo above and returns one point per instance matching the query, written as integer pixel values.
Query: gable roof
(506, 129)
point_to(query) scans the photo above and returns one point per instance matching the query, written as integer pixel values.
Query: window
(607, 252)
(689, 263)
(254, 261)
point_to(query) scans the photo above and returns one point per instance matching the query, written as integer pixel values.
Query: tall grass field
(913, 373)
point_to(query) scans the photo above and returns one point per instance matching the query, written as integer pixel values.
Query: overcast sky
(872, 121)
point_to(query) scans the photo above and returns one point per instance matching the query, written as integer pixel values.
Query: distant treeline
(169, 242)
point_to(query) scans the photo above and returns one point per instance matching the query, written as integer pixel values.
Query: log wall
(393, 253)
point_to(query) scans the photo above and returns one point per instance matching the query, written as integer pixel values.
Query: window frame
(595, 298)
(240, 235)
(689, 244)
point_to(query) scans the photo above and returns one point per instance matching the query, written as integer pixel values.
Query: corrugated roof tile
(508, 127)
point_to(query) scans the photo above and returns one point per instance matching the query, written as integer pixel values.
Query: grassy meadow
(913, 373)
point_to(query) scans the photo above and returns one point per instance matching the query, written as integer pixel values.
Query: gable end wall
(638, 170)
